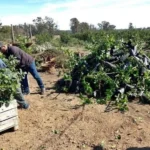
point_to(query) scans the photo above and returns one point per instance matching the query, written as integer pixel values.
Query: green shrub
(9, 79)
(65, 38)
(42, 38)
(22, 41)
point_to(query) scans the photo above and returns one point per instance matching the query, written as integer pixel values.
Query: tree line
(47, 27)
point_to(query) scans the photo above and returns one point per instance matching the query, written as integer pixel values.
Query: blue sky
(117, 12)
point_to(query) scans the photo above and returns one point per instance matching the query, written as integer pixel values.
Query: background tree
(39, 25)
(74, 25)
(44, 29)
(92, 27)
(83, 27)
(46, 25)
(131, 26)
(105, 25)
(51, 26)
(111, 27)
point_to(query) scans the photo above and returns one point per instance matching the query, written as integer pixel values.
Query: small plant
(56, 131)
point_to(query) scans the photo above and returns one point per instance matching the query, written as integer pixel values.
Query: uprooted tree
(115, 71)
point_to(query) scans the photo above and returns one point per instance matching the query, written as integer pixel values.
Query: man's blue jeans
(32, 69)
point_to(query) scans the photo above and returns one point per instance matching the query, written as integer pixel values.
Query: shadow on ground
(98, 148)
(7, 131)
(131, 148)
(138, 148)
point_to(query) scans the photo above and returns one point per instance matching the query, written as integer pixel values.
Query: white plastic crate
(9, 116)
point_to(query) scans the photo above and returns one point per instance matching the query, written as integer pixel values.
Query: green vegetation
(9, 79)
(115, 71)
(106, 75)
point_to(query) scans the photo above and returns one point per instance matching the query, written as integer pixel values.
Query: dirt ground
(58, 122)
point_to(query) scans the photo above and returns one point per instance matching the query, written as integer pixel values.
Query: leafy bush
(65, 37)
(84, 36)
(134, 34)
(42, 38)
(9, 80)
(5, 32)
(22, 41)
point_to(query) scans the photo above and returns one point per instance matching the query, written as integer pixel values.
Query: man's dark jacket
(24, 59)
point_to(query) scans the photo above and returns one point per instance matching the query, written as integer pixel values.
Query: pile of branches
(116, 75)
(47, 58)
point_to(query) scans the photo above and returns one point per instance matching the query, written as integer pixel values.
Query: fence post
(12, 34)
(30, 31)
(25, 29)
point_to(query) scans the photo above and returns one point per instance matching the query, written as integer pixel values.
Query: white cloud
(118, 12)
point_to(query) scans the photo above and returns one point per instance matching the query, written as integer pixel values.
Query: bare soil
(58, 122)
